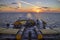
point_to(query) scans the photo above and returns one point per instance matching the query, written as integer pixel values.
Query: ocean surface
(49, 17)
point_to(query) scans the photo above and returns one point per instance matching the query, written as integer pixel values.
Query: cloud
(46, 7)
(58, 0)
(2, 5)
(13, 3)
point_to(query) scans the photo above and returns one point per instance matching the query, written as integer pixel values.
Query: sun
(37, 10)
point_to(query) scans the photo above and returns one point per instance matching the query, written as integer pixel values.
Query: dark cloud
(2, 5)
(46, 7)
(59, 1)
(13, 3)
(14, 7)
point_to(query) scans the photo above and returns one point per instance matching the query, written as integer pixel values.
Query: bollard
(40, 37)
(18, 37)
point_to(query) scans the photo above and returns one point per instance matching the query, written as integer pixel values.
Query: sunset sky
(29, 5)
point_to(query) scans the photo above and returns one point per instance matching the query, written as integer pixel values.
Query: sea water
(10, 17)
